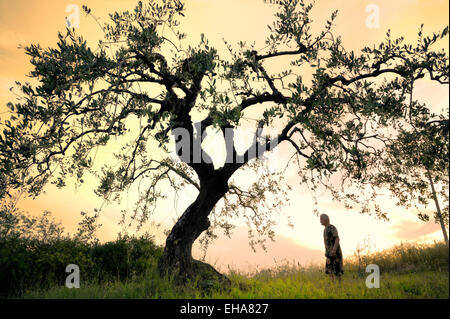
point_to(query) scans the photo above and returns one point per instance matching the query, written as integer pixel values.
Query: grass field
(406, 271)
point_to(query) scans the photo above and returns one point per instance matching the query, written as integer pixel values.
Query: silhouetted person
(334, 265)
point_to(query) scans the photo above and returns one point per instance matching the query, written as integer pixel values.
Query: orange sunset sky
(24, 21)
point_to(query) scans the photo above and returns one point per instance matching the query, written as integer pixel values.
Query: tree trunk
(177, 258)
(438, 208)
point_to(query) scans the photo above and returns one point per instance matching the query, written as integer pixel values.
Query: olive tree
(331, 105)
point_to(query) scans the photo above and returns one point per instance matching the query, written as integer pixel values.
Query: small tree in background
(415, 168)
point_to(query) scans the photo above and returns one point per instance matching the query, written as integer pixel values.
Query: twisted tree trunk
(177, 257)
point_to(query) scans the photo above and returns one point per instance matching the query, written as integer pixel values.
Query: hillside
(406, 271)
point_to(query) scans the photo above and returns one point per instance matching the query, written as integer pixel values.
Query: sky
(359, 22)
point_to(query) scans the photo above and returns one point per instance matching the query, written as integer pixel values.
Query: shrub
(30, 260)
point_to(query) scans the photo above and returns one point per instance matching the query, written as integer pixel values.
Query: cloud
(413, 230)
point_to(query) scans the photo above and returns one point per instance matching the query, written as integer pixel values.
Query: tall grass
(405, 258)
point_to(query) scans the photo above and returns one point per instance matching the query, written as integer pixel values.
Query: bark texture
(177, 258)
